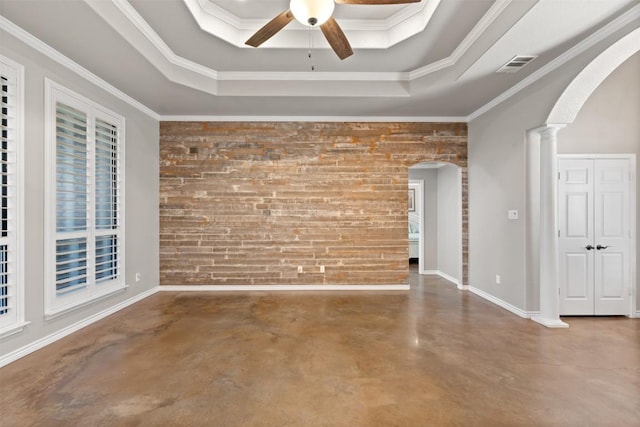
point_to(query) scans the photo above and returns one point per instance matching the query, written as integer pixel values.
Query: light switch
(512, 214)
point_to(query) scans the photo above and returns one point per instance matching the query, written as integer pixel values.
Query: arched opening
(542, 186)
(435, 220)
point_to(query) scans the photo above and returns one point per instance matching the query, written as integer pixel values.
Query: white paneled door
(594, 236)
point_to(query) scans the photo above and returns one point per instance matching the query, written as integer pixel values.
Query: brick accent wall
(252, 202)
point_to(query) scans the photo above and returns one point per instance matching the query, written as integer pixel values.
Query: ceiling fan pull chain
(313, 67)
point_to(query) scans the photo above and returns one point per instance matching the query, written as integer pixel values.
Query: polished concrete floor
(429, 357)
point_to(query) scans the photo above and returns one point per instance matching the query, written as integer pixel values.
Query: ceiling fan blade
(376, 1)
(336, 38)
(270, 29)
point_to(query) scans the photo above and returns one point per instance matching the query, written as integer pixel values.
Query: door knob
(599, 247)
(589, 247)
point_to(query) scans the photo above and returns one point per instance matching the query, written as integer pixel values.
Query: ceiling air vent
(516, 63)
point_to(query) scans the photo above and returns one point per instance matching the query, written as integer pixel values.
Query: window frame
(15, 322)
(57, 304)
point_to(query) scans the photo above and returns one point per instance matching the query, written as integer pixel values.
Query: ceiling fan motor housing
(312, 12)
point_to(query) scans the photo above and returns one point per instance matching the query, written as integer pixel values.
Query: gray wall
(609, 123)
(449, 222)
(141, 180)
(497, 181)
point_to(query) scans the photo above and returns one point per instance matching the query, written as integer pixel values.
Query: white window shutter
(107, 201)
(11, 292)
(72, 195)
(86, 258)
(8, 200)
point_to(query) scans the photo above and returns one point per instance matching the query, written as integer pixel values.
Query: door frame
(458, 277)
(632, 216)
(418, 186)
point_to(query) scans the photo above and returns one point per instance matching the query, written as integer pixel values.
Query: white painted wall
(609, 123)
(142, 189)
(497, 182)
(449, 222)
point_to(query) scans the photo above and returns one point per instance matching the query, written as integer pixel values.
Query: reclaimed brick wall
(245, 203)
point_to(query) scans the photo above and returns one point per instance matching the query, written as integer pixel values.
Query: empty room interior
(320, 213)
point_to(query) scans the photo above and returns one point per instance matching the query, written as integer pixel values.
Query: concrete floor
(429, 357)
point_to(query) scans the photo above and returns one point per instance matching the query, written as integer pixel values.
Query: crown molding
(487, 19)
(43, 48)
(280, 288)
(143, 26)
(61, 59)
(587, 43)
(123, 17)
(350, 119)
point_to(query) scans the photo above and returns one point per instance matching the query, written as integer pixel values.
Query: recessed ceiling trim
(370, 33)
(313, 76)
(123, 17)
(119, 13)
(132, 27)
(485, 22)
(205, 7)
(608, 30)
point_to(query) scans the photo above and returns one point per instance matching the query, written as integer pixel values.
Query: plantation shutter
(107, 205)
(85, 238)
(8, 232)
(72, 199)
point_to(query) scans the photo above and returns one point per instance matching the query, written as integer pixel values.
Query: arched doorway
(542, 187)
(436, 219)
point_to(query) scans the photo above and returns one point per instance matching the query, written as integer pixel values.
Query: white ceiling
(430, 60)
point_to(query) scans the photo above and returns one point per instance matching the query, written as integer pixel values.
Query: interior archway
(542, 189)
(584, 84)
(441, 220)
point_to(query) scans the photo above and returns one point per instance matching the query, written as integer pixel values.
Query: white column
(549, 282)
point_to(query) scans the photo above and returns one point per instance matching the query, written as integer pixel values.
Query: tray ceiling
(162, 54)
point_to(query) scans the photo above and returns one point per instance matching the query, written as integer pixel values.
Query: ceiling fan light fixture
(312, 12)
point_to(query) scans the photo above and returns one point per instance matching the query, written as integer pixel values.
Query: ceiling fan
(316, 13)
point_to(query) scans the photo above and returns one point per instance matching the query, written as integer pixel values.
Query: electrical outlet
(498, 279)
(138, 277)
(299, 269)
(512, 214)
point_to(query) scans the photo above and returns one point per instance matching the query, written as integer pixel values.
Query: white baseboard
(446, 277)
(49, 339)
(497, 301)
(274, 288)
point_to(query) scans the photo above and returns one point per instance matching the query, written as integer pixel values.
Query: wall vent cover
(516, 63)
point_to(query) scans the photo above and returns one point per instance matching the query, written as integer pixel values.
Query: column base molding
(550, 323)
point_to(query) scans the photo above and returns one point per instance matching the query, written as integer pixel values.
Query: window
(11, 198)
(85, 200)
